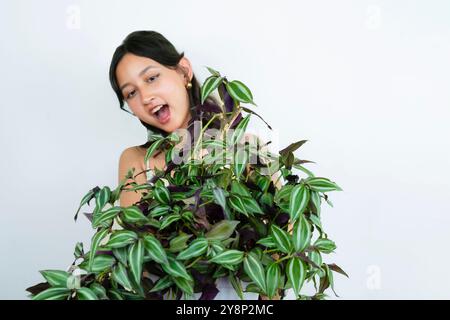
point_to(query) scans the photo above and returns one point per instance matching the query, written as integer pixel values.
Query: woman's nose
(146, 100)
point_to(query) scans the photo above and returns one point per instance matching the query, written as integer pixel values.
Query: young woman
(159, 86)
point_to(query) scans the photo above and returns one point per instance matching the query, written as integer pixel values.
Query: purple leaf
(88, 215)
(214, 212)
(227, 99)
(282, 219)
(236, 121)
(209, 292)
(247, 238)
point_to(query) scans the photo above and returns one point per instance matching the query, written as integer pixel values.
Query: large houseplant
(201, 219)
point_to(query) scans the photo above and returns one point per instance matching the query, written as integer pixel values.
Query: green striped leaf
(252, 206)
(315, 257)
(79, 251)
(267, 241)
(179, 243)
(216, 247)
(282, 239)
(239, 131)
(95, 243)
(329, 274)
(252, 287)
(54, 293)
(55, 278)
(73, 282)
(99, 290)
(153, 223)
(237, 204)
(120, 275)
(321, 184)
(87, 197)
(267, 199)
(263, 183)
(121, 254)
(102, 262)
(283, 194)
(273, 279)
(236, 283)
(213, 72)
(161, 194)
(296, 272)
(86, 294)
(298, 201)
(217, 144)
(187, 286)
(316, 221)
(115, 294)
(254, 269)
(105, 216)
(133, 214)
(175, 268)
(239, 91)
(168, 220)
(325, 245)
(211, 83)
(162, 284)
(229, 257)
(220, 198)
(240, 161)
(302, 168)
(169, 153)
(135, 260)
(153, 147)
(154, 249)
(239, 189)
(160, 211)
(315, 198)
(301, 234)
(222, 230)
(122, 238)
(102, 198)
(115, 195)
(195, 249)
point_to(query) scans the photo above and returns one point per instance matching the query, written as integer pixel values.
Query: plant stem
(284, 258)
(193, 262)
(203, 131)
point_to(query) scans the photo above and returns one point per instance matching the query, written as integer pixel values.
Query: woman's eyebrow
(140, 74)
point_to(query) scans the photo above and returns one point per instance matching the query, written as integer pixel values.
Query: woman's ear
(185, 64)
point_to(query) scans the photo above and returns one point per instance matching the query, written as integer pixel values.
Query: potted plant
(204, 219)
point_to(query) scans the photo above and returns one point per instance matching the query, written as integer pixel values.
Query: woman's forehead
(132, 61)
(132, 66)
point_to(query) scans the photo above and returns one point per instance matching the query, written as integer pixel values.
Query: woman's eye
(153, 77)
(131, 94)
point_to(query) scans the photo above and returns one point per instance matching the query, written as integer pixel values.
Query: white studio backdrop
(365, 82)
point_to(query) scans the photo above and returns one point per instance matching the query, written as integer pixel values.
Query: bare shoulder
(137, 154)
(131, 154)
(131, 157)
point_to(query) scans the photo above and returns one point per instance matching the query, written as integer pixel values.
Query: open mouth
(162, 113)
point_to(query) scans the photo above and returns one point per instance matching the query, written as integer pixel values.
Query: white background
(365, 82)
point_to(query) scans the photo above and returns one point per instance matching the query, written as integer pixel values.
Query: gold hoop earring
(189, 85)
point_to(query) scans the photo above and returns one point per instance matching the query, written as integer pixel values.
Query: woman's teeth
(162, 113)
(157, 108)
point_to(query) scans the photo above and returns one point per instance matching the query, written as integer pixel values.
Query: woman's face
(145, 85)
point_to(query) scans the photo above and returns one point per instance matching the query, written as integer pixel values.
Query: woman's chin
(170, 126)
